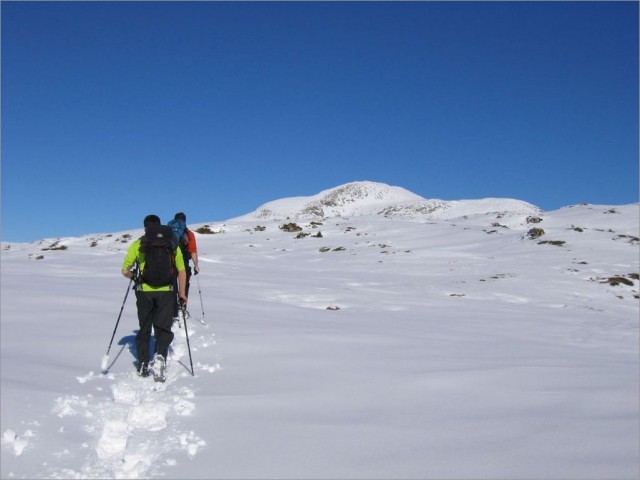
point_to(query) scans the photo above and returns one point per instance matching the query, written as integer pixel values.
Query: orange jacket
(191, 241)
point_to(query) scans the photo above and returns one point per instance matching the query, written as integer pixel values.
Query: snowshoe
(159, 366)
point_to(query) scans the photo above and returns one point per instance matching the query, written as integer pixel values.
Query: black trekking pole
(186, 332)
(105, 359)
(201, 304)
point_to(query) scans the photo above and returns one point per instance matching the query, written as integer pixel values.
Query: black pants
(154, 309)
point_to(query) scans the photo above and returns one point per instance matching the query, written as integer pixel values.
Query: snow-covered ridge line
(351, 199)
(371, 198)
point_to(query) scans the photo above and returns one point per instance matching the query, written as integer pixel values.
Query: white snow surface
(391, 346)
(369, 198)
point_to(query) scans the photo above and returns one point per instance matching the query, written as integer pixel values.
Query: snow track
(133, 424)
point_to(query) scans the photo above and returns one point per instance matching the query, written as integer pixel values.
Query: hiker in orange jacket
(189, 249)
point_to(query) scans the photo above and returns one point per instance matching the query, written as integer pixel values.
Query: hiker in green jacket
(155, 260)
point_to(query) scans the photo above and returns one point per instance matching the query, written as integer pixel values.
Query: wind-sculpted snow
(370, 346)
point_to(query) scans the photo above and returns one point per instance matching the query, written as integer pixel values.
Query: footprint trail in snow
(133, 424)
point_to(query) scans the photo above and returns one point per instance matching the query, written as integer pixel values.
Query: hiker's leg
(145, 319)
(163, 320)
(188, 272)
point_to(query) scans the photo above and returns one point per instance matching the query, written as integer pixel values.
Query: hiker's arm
(194, 257)
(182, 285)
(193, 251)
(130, 262)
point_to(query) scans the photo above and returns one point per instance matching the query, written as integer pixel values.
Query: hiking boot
(144, 370)
(159, 366)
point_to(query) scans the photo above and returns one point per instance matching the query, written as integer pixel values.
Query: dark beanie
(151, 220)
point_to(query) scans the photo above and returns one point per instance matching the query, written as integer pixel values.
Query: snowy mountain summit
(372, 198)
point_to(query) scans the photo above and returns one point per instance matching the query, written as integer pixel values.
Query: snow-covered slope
(367, 198)
(364, 347)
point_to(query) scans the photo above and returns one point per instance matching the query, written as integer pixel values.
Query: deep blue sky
(114, 110)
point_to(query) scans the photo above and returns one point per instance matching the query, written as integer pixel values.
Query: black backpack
(158, 246)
